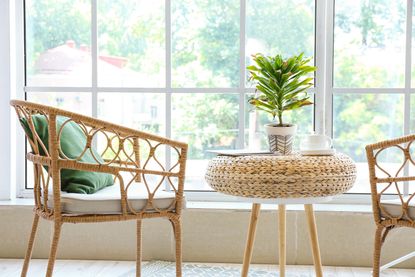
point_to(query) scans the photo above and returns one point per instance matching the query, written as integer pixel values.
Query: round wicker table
(293, 179)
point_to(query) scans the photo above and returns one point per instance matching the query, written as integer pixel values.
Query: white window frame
(324, 91)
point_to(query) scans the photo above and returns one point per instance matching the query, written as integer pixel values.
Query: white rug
(168, 269)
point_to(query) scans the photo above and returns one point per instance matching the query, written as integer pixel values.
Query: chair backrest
(129, 155)
(391, 167)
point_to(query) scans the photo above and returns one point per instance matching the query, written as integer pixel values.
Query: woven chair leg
(138, 257)
(177, 229)
(30, 246)
(53, 248)
(386, 232)
(379, 236)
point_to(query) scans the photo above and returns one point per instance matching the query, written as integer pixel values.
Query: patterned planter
(280, 138)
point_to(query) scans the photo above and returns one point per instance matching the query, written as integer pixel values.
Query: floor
(9, 267)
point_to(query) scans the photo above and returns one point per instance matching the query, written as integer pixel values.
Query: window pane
(360, 120)
(369, 43)
(141, 111)
(78, 102)
(205, 43)
(131, 39)
(280, 27)
(58, 39)
(255, 135)
(205, 122)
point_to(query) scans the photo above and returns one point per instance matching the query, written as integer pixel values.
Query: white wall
(5, 92)
(346, 238)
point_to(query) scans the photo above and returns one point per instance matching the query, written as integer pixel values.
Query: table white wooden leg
(282, 238)
(250, 239)
(314, 239)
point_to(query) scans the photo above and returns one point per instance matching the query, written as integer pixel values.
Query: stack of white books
(242, 152)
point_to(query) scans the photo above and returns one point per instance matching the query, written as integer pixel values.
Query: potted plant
(281, 85)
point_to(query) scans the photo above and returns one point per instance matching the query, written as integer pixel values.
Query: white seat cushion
(107, 200)
(394, 207)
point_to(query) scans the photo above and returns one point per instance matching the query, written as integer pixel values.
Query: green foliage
(365, 31)
(205, 49)
(285, 27)
(360, 119)
(205, 121)
(282, 83)
(125, 30)
(220, 54)
(205, 43)
(205, 53)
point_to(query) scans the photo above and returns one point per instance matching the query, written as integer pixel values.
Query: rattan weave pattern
(293, 176)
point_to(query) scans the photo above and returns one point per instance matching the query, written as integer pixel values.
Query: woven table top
(293, 176)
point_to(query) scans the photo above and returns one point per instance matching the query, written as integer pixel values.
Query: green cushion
(72, 142)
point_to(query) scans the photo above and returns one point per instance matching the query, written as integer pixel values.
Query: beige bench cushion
(107, 200)
(394, 207)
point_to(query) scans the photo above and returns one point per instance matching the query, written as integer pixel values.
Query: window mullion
(94, 53)
(328, 81)
(408, 63)
(320, 47)
(242, 65)
(168, 92)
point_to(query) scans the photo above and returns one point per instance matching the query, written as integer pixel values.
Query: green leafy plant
(281, 84)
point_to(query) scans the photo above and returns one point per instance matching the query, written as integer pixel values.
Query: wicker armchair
(386, 179)
(131, 157)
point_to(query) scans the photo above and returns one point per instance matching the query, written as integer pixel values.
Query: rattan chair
(397, 212)
(132, 157)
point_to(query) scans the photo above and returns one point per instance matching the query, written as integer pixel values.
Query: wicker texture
(131, 156)
(390, 180)
(293, 176)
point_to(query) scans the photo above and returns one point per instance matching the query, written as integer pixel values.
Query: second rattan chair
(144, 187)
(391, 165)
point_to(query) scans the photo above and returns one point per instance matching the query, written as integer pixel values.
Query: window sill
(230, 206)
(17, 202)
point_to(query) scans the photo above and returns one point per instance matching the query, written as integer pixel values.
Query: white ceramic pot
(280, 138)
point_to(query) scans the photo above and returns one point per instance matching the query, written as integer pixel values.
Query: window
(177, 68)
(371, 78)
